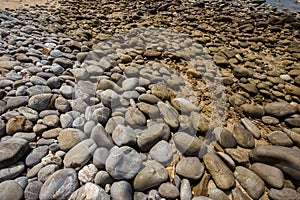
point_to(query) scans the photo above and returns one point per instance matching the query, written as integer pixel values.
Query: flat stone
(249, 87)
(123, 135)
(59, 185)
(284, 158)
(135, 117)
(279, 138)
(10, 189)
(101, 115)
(101, 137)
(168, 190)
(102, 178)
(184, 106)
(251, 127)
(254, 111)
(279, 109)
(150, 111)
(170, 115)
(38, 89)
(18, 124)
(218, 194)
(15, 102)
(89, 191)
(239, 156)
(271, 175)
(152, 175)
(190, 168)
(69, 137)
(162, 152)
(46, 172)
(149, 98)
(152, 135)
(51, 121)
(292, 89)
(243, 137)
(11, 171)
(130, 84)
(185, 190)
(32, 190)
(238, 193)
(187, 144)
(80, 154)
(224, 137)
(220, 173)
(29, 113)
(105, 84)
(295, 122)
(268, 120)
(123, 163)
(252, 183)
(36, 155)
(285, 193)
(121, 190)
(66, 91)
(87, 173)
(42, 102)
(237, 100)
(12, 150)
(64, 62)
(110, 98)
(99, 157)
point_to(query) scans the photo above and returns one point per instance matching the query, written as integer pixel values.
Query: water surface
(288, 4)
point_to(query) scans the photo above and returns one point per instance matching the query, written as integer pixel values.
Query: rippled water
(288, 4)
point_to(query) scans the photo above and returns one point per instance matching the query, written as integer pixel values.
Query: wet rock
(59, 185)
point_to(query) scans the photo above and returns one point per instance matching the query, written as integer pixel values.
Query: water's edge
(285, 4)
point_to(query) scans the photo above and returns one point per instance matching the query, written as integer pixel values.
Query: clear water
(287, 4)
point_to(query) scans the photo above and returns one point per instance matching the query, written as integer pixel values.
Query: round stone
(11, 190)
(168, 190)
(162, 153)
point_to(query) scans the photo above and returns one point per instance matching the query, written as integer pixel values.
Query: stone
(38, 89)
(162, 152)
(123, 135)
(99, 157)
(59, 185)
(285, 193)
(200, 122)
(110, 98)
(185, 190)
(113, 122)
(101, 137)
(46, 172)
(80, 154)
(123, 163)
(170, 115)
(15, 102)
(106, 84)
(103, 178)
(32, 190)
(249, 87)
(152, 135)
(295, 122)
(87, 173)
(190, 168)
(134, 117)
(130, 84)
(121, 190)
(89, 191)
(152, 175)
(220, 173)
(149, 98)
(52, 159)
(237, 100)
(243, 137)
(52, 133)
(10, 189)
(238, 155)
(279, 138)
(224, 137)
(62, 105)
(218, 194)
(51, 121)
(69, 137)
(12, 150)
(187, 144)
(254, 111)
(36, 155)
(29, 113)
(238, 193)
(251, 127)
(101, 115)
(17, 124)
(292, 89)
(279, 109)
(66, 91)
(12, 171)
(184, 106)
(42, 102)
(252, 183)
(271, 175)
(268, 120)
(168, 190)
(64, 62)
(150, 111)
(284, 158)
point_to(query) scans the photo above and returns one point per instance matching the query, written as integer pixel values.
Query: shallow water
(288, 4)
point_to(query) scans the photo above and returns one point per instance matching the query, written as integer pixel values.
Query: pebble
(190, 168)
(69, 137)
(185, 190)
(87, 173)
(243, 137)
(124, 136)
(279, 109)
(12, 171)
(32, 190)
(286, 193)
(187, 144)
(46, 171)
(162, 153)
(123, 163)
(121, 190)
(251, 127)
(59, 185)
(90, 191)
(279, 138)
(10, 189)
(168, 190)
(99, 157)
(36, 155)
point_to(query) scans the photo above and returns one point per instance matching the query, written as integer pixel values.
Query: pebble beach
(149, 100)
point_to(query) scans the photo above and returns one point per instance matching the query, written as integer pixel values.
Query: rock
(101, 115)
(69, 137)
(52, 133)
(279, 138)
(36, 155)
(2, 128)
(284, 158)
(293, 121)
(252, 183)
(12, 150)
(101, 137)
(46, 172)
(184, 106)
(99, 157)
(200, 122)
(152, 175)
(292, 89)
(89, 191)
(279, 109)
(18, 124)
(123, 163)
(237, 100)
(105, 84)
(162, 152)
(168, 190)
(15, 102)
(190, 168)
(148, 98)
(238, 193)
(113, 122)
(10, 190)
(220, 173)
(64, 62)
(121, 190)
(271, 175)
(240, 72)
(59, 185)
(42, 102)
(149, 110)
(66, 91)
(51, 121)
(29, 113)
(38, 89)
(87, 173)
(62, 105)
(254, 111)
(12, 171)
(152, 135)
(185, 190)
(110, 98)
(224, 137)
(130, 84)
(102, 178)
(239, 156)
(243, 137)
(268, 120)
(187, 144)
(249, 87)
(80, 154)
(123, 136)
(149, 53)
(134, 117)
(170, 115)
(218, 194)
(32, 190)
(251, 127)
(285, 193)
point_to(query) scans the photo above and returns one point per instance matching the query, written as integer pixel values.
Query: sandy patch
(16, 4)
